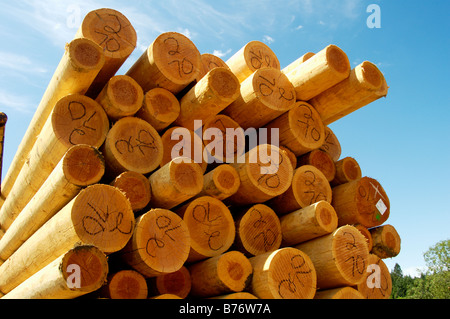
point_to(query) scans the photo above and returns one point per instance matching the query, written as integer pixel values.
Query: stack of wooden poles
(120, 190)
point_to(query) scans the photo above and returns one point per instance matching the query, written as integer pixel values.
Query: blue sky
(402, 140)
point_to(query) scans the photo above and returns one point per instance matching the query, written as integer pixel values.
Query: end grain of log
(310, 222)
(366, 233)
(363, 201)
(386, 241)
(347, 170)
(321, 160)
(300, 129)
(171, 62)
(121, 97)
(75, 119)
(319, 73)
(81, 165)
(80, 64)
(290, 155)
(339, 293)
(115, 34)
(100, 215)
(79, 271)
(226, 273)
(136, 187)
(265, 95)
(175, 283)
(378, 281)
(211, 226)
(251, 57)
(331, 144)
(227, 147)
(221, 182)
(179, 141)
(286, 273)
(265, 174)
(340, 258)
(159, 244)
(160, 108)
(364, 80)
(125, 284)
(209, 62)
(132, 144)
(214, 92)
(308, 186)
(258, 230)
(175, 182)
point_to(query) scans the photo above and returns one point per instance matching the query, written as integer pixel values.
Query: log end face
(187, 176)
(234, 270)
(85, 268)
(83, 165)
(224, 83)
(136, 187)
(86, 54)
(125, 94)
(326, 216)
(371, 75)
(226, 179)
(127, 284)
(338, 60)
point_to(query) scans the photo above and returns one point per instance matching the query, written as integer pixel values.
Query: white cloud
(15, 102)
(299, 27)
(20, 63)
(268, 39)
(220, 53)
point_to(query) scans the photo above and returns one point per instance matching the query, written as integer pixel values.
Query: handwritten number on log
(307, 116)
(77, 112)
(144, 140)
(201, 214)
(184, 66)
(101, 222)
(312, 190)
(110, 33)
(294, 277)
(267, 87)
(358, 262)
(267, 235)
(163, 223)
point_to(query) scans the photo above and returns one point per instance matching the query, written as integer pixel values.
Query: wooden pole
(286, 273)
(265, 173)
(258, 230)
(378, 281)
(99, 215)
(321, 160)
(386, 241)
(160, 108)
(121, 97)
(159, 245)
(81, 165)
(331, 144)
(363, 201)
(136, 187)
(116, 36)
(236, 295)
(290, 155)
(80, 270)
(347, 170)
(265, 95)
(221, 182)
(339, 100)
(211, 226)
(293, 65)
(227, 273)
(308, 186)
(125, 284)
(78, 67)
(319, 73)
(175, 283)
(209, 62)
(340, 258)
(313, 221)
(232, 143)
(171, 62)
(214, 92)
(251, 57)
(339, 293)
(75, 119)
(179, 141)
(300, 129)
(132, 144)
(175, 183)
(3, 120)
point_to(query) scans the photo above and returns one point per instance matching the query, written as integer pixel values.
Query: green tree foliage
(434, 283)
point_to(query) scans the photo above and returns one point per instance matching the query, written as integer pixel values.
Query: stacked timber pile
(191, 177)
